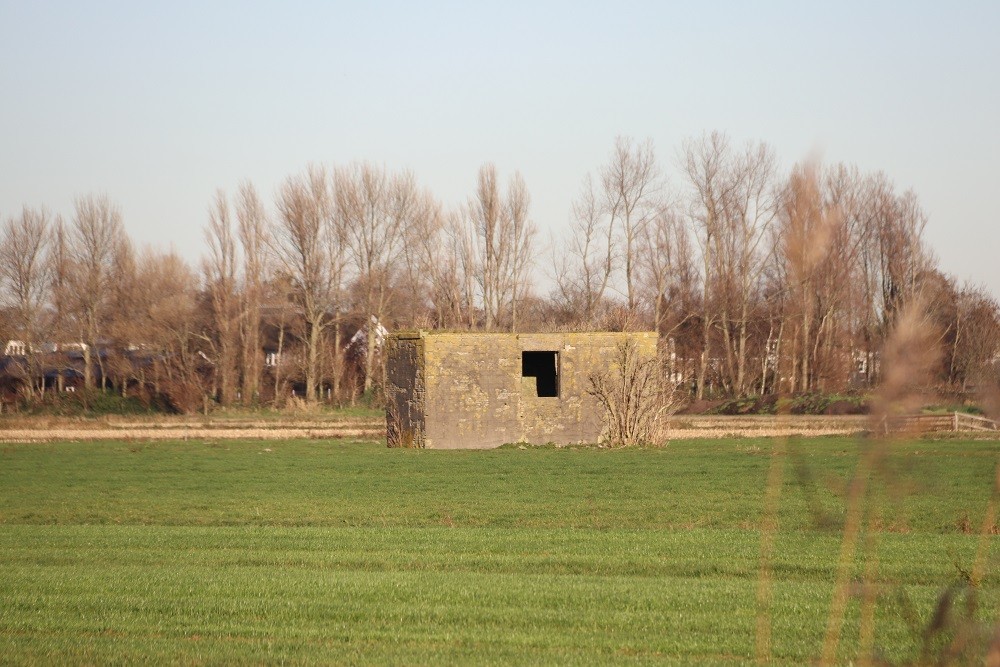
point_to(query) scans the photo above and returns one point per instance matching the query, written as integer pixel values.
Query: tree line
(758, 281)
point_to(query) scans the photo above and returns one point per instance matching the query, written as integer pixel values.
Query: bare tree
(282, 315)
(24, 283)
(60, 271)
(252, 227)
(220, 269)
(303, 239)
(631, 183)
(522, 234)
(374, 208)
(741, 252)
(461, 248)
(976, 342)
(733, 206)
(890, 258)
(503, 238)
(166, 318)
(904, 258)
(587, 262)
(94, 247)
(439, 263)
(417, 288)
(808, 231)
(487, 217)
(837, 292)
(117, 364)
(704, 166)
(666, 271)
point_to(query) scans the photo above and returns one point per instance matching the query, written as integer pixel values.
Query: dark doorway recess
(544, 367)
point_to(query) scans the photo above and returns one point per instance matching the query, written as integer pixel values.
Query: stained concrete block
(477, 390)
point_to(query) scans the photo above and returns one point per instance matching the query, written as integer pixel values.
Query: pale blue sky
(159, 104)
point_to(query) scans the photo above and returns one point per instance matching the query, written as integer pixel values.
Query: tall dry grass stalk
(909, 357)
(986, 532)
(979, 565)
(990, 393)
(856, 494)
(769, 531)
(805, 240)
(869, 589)
(911, 352)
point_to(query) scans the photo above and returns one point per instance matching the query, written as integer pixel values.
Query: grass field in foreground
(311, 551)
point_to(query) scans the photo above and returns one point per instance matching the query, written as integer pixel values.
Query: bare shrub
(635, 401)
(182, 394)
(300, 405)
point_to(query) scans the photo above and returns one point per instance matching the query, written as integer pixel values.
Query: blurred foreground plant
(955, 632)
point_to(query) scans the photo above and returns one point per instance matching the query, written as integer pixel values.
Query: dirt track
(167, 428)
(47, 429)
(766, 426)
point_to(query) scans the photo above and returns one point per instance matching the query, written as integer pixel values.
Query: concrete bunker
(448, 390)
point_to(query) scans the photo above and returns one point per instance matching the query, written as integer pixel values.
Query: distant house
(481, 390)
(359, 341)
(51, 367)
(15, 348)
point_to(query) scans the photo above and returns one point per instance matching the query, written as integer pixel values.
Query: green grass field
(346, 552)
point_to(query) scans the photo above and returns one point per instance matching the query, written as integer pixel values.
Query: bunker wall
(405, 391)
(475, 393)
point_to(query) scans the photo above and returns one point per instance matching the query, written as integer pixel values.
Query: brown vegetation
(635, 400)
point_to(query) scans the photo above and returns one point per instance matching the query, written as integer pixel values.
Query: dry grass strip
(63, 434)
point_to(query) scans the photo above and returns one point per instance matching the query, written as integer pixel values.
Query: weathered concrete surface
(405, 390)
(466, 390)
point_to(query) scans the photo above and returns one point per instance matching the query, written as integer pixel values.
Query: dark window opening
(544, 367)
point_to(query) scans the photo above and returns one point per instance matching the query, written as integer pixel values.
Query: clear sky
(158, 104)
